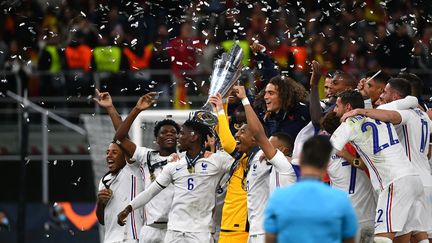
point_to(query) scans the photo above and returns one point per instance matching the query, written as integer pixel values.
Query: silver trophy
(226, 72)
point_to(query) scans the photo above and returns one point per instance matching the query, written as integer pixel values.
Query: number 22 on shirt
(377, 147)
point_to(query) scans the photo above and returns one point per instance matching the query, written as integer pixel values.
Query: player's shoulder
(175, 164)
(358, 119)
(219, 155)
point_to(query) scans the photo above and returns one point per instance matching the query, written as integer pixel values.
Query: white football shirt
(378, 146)
(158, 208)
(194, 193)
(125, 187)
(258, 187)
(356, 184)
(413, 132)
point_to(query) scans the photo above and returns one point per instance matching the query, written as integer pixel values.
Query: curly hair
(290, 91)
(201, 129)
(165, 122)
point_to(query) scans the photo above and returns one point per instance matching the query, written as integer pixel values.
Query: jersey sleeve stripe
(371, 165)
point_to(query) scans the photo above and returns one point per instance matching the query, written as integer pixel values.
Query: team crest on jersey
(204, 166)
(254, 167)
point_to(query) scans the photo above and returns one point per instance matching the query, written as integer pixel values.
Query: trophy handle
(205, 117)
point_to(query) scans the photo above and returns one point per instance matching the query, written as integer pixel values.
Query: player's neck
(193, 151)
(166, 152)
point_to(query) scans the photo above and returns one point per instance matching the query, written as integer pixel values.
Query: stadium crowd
(245, 179)
(65, 40)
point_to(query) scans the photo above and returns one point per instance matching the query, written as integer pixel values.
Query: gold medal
(191, 169)
(152, 177)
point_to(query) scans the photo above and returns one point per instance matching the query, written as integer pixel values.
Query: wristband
(221, 112)
(245, 101)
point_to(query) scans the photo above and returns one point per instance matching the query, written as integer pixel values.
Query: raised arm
(227, 140)
(120, 137)
(254, 124)
(104, 100)
(314, 102)
(383, 115)
(401, 104)
(269, 68)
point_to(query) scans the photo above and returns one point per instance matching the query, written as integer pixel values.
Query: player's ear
(194, 137)
(349, 107)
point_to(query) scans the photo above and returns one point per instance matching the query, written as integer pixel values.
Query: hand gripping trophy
(226, 72)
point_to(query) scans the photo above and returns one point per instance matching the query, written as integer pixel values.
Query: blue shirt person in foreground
(311, 211)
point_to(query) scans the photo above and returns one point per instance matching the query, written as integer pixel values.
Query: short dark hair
(286, 140)
(415, 82)
(316, 152)
(352, 97)
(199, 128)
(330, 122)
(401, 86)
(165, 122)
(381, 77)
(346, 78)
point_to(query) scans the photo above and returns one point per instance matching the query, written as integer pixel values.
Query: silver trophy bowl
(226, 72)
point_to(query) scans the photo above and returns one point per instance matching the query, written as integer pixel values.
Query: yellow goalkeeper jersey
(234, 212)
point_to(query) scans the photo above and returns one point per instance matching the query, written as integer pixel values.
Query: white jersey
(356, 184)
(305, 133)
(194, 193)
(378, 146)
(125, 187)
(413, 133)
(258, 187)
(158, 208)
(281, 179)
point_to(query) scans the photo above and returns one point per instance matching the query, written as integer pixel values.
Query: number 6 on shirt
(190, 184)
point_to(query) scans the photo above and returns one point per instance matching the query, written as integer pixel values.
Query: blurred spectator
(50, 63)
(109, 60)
(353, 37)
(183, 51)
(395, 50)
(4, 221)
(160, 62)
(77, 62)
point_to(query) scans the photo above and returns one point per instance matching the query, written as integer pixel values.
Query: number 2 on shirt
(376, 146)
(190, 184)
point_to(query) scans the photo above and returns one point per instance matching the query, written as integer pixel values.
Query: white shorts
(149, 234)
(399, 206)
(189, 237)
(259, 238)
(428, 194)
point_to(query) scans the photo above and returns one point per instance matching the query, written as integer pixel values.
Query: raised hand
(316, 73)
(240, 91)
(361, 87)
(216, 101)
(350, 113)
(146, 101)
(103, 99)
(121, 217)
